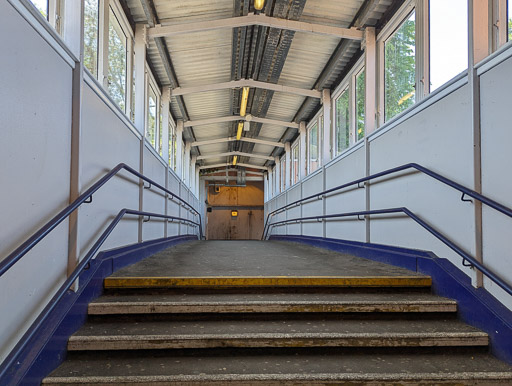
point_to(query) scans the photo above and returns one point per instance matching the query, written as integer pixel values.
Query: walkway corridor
(269, 313)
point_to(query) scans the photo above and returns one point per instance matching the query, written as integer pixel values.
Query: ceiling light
(239, 131)
(258, 4)
(234, 160)
(243, 103)
(247, 126)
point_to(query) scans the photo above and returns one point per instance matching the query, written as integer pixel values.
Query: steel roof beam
(238, 153)
(231, 118)
(246, 83)
(243, 139)
(259, 19)
(246, 165)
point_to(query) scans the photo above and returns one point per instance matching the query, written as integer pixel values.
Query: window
(160, 139)
(42, 6)
(172, 151)
(360, 104)
(151, 123)
(342, 124)
(91, 17)
(313, 153)
(399, 69)
(509, 13)
(448, 40)
(117, 61)
(295, 162)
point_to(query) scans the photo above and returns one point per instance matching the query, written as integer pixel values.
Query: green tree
(399, 69)
(91, 36)
(360, 108)
(117, 62)
(342, 122)
(510, 28)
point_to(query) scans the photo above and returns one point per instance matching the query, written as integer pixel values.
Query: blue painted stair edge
(48, 349)
(476, 306)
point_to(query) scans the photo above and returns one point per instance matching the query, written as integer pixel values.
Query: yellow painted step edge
(265, 281)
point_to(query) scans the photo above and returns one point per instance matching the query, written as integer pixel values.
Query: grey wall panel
(154, 199)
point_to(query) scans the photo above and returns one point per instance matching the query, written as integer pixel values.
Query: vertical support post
(193, 160)
(288, 158)
(370, 116)
(422, 52)
(166, 101)
(303, 161)
(326, 129)
(73, 35)
(324, 203)
(277, 170)
(478, 42)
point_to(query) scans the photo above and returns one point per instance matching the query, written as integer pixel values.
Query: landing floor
(256, 258)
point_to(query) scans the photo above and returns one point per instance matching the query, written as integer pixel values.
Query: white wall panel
(495, 86)
(35, 117)
(154, 198)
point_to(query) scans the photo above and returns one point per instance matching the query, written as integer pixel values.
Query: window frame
(151, 83)
(316, 120)
(295, 169)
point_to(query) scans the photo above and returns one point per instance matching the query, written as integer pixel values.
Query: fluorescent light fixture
(235, 158)
(247, 126)
(258, 4)
(239, 131)
(243, 103)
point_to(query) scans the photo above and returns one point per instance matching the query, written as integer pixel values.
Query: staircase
(274, 331)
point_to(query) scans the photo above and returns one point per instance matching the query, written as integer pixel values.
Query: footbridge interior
(255, 191)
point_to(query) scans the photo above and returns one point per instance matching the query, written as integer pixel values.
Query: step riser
(130, 309)
(481, 379)
(173, 343)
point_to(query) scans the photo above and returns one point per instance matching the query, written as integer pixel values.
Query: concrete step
(185, 303)
(413, 280)
(292, 369)
(165, 334)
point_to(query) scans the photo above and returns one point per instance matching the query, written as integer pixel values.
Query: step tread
(110, 368)
(274, 333)
(279, 302)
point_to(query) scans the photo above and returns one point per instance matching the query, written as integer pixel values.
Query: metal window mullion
(103, 21)
(352, 113)
(422, 49)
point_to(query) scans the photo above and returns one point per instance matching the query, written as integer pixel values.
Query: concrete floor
(255, 258)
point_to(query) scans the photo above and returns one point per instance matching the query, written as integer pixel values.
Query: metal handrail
(31, 242)
(450, 244)
(465, 191)
(61, 292)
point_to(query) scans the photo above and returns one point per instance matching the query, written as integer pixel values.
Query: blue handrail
(445, 240)
(31, 242)
(461, 188)
(11, 359)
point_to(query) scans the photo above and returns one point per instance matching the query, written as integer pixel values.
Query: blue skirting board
(476, 306)
(48, 349)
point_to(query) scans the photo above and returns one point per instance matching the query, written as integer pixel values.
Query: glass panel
(175, 153)
(171, 146)
(399, 69)
(150, 132)
(342, 122)
(91, 36)
(295, 164)
(313, 148)
(283, 174)
(509, 10)
(360, 108)
(42, 6)
(132, 109)
(448, 40)
(116, 61)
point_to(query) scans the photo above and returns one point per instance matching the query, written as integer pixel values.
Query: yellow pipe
(258, 4)
(243, 104)
(239, 132)
(234, 160)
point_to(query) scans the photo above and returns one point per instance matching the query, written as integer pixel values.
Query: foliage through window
(91, 18)
(151, 128)
(360, 102)
(342, 128)
(283, 174)
(448, 40)
(399, 69)
(313, 153)
(295, 163)
(117, 56)
(42, 6)
(509, 13)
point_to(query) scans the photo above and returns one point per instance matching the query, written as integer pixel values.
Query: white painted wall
(35, 157)
(438, 135)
